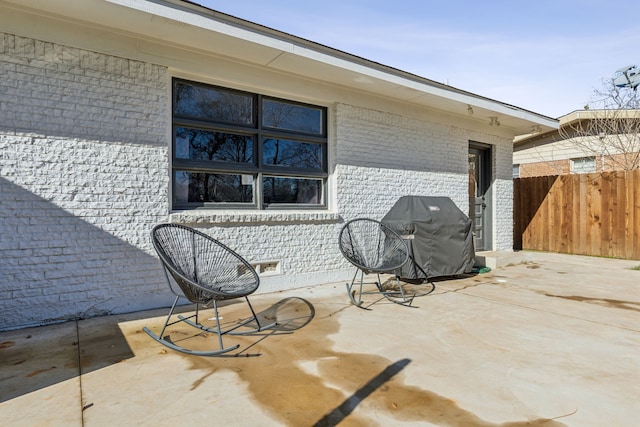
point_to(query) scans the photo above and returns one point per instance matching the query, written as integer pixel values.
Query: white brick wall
(503, 194)
(84, 176)
(382, 156)
(304, 246)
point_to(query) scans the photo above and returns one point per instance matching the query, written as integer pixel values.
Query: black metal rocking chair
(374, 248)
(206, 271)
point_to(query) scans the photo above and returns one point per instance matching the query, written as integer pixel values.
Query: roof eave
(186, 23)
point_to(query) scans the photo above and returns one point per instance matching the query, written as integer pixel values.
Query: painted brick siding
(305, 249)
(383, 156)
(503, 192)
(83, 176)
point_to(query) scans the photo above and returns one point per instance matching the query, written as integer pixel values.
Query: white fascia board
(212, 22)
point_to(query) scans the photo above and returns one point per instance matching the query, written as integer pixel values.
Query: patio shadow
(341, 412)
(37, 358)
(58, 266)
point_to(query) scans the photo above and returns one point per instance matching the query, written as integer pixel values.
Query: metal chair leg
(390, 295)
(217, 330)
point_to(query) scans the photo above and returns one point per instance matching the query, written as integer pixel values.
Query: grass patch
(637, 268)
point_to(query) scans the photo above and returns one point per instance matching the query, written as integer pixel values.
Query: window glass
(196, 144)
(229, 145)
(283, 152)
(583, 165)
(291, 190)
(196, 187)
(293, 117)
(211, 103)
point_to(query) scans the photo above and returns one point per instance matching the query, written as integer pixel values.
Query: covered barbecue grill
(438, 234)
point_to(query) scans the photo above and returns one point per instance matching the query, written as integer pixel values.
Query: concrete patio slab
(39, 376)
(551, 342)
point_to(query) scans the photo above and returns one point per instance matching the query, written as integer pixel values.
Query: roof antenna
(628, 77)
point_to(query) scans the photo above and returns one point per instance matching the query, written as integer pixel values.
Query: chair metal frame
(385, 252)
(206, 272)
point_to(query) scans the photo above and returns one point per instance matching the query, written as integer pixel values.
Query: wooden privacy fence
(588, 214)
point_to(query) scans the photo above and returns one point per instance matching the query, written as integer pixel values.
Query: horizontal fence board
(588, 214)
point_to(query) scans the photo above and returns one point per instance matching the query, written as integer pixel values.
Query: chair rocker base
(397, 297)
(167, 343)
(215, 330)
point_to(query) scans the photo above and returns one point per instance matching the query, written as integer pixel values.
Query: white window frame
(583, 165)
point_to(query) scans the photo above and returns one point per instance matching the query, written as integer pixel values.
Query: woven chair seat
(205, 272)
(373, 248)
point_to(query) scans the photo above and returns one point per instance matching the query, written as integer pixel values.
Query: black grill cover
(438, 234)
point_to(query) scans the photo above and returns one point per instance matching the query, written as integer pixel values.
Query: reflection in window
(211, 103)
(193, 187)
(282, 152)
(198, 144)
(228, 147)
(294, 117)
(291, 190)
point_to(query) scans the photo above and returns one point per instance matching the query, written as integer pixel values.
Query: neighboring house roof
(594, 140)
(194, 27)
(567, 122)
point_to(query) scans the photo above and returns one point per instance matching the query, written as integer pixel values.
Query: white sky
(546, 56)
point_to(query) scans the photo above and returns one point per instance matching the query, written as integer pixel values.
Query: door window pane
(198, 144)
(293, 117)
(291, 190)
(282, 152)
(212, 103)
(196, 187)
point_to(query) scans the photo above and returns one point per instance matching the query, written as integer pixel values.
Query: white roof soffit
(195, 27)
